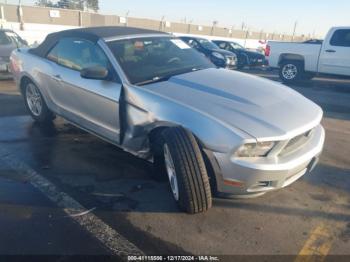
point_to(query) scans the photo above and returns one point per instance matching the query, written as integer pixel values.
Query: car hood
(255, 55)
(262, 108)
(223, 52)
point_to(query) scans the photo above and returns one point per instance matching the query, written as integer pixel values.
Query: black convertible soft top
(92, 34)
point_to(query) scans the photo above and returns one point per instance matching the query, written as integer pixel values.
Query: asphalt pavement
(99, 193)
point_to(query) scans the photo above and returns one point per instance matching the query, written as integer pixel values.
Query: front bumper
(258, 62)
(256, 176)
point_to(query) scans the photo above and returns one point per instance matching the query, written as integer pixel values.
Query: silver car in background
(208, 130)
(9, 41)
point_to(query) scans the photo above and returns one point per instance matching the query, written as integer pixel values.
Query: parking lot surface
(116, 189)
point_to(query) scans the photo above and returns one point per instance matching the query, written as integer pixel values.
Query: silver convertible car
(208, 130)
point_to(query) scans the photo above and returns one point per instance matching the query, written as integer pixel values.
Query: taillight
(267, 50)
(14, 66)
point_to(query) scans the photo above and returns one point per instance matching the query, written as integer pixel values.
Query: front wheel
(35, 104)
(186, 170)
(291, 71)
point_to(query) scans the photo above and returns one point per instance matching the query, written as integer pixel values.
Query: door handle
(57, 78)
(330, 51)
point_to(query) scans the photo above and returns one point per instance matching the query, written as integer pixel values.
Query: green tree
(45, 3)
(93, 4)
(71, 4)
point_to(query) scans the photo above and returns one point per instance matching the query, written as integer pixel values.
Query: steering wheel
(173, 60)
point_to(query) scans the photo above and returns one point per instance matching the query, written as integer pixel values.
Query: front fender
(143, 111)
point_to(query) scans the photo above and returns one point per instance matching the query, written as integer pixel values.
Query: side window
(4, 40)
(53, 54)
(78, 54)
(223, 46)
(193, 44)
(341, 37)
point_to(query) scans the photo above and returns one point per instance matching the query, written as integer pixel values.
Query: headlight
(255, 149)
(218, 55)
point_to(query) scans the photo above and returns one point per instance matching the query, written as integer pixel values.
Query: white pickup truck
(297, 61)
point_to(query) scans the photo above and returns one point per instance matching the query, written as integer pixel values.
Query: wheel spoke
(170, 168)
(34, 99)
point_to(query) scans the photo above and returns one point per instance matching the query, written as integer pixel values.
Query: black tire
(45, 115)
(194, 194)
(295, 65)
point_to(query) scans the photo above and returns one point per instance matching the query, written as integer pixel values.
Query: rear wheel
(35, 104)
(186, 171)
(291, 71)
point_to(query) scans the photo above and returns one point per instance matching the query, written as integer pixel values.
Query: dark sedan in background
(9, 41)
(244, 56)
(219, 57)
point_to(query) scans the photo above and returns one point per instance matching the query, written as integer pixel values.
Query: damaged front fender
(142, 111)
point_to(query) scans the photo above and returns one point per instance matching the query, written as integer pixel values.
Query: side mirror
(95, 72)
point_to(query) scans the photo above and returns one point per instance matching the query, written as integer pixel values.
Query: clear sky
(271, 15)
(268, 15)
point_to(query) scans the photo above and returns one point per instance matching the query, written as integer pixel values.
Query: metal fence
(24, 11)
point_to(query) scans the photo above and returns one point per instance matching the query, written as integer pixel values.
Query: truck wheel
(186, 170)
(291, 71)
(35, 104)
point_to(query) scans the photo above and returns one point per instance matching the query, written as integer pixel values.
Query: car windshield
(236, 46)
(14, 38)
(207, 44)
(154, 59)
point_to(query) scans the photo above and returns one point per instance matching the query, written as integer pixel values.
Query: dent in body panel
(141, 111)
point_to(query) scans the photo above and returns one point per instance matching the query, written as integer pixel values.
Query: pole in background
(246, 37)
(127, 18)
(294, 30)
(215, 23)
(189, 26)
(2, 18)
(232, 29)
(20, 15)
(2, 13)
(161, 24)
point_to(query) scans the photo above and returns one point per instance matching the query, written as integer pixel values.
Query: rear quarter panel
(308, 52)
(38, 70)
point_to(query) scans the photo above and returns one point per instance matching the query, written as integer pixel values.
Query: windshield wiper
(167, 77)
(153, 80)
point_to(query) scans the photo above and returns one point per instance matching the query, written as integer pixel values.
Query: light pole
(161, 24)
(126, 17)
(189, 26)
(294, 30)
(215, 23)
(232, 28)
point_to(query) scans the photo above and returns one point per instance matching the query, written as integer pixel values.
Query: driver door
(91, 104)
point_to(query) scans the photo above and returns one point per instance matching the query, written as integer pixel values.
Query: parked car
(9, 41)
(218, 57)
(297, 61)
(206, 129)
(244, 56)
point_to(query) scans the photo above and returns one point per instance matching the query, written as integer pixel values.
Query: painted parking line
(320, 241)
(116, 243)
(317, 246)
